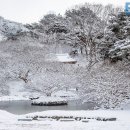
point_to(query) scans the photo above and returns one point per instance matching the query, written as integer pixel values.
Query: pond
(24, 107)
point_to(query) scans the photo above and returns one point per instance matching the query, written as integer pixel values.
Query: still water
(24, 107)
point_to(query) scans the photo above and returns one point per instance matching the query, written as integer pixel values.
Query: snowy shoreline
(9, 121)
(57, 96)
(13, 98)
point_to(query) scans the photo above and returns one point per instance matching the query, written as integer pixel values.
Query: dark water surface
(24, 107)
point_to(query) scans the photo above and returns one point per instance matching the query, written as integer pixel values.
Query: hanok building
(65, 58)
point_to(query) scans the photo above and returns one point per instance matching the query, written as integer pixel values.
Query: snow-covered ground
(13, 98)
(17, 92)
(11, 122)
(125, 105)
(66, 94)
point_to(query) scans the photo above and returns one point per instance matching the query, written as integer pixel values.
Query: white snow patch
(6, 116)
(2, 37)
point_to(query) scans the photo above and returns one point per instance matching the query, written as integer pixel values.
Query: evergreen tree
(117, 41)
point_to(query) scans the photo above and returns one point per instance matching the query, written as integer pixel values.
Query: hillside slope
(10, 28)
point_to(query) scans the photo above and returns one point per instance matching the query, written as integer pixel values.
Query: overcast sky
(28, 11)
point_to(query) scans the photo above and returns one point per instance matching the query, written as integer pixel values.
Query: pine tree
(117, 41)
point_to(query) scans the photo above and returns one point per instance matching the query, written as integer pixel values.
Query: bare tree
(88, 30)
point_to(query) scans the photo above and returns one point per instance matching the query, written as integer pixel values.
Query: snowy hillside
(8, 28)
(27, 61)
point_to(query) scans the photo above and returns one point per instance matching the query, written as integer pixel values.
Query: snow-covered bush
(107, 86)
